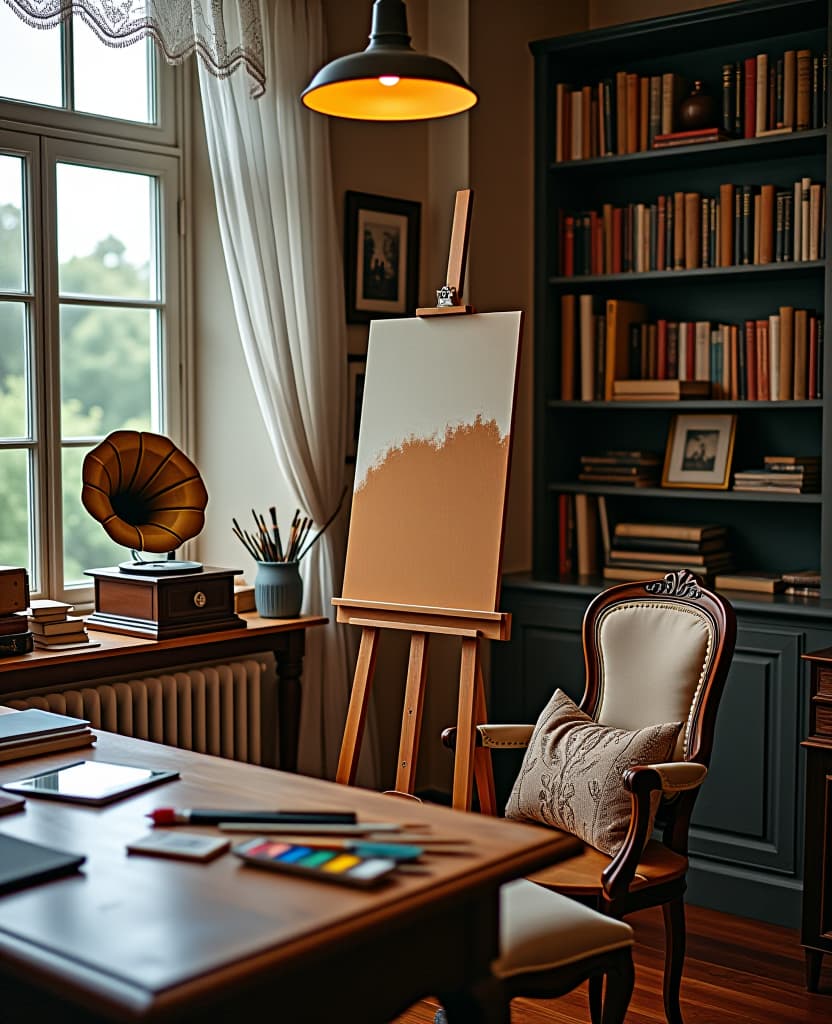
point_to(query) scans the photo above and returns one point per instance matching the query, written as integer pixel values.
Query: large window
(89, 284)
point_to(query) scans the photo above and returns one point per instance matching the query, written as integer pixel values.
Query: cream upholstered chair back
(654, 654)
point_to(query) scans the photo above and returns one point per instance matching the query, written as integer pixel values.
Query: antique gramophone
(149, 496)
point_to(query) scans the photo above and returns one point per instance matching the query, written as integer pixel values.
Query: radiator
(213, 710)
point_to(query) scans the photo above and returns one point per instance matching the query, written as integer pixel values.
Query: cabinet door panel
(746, 812)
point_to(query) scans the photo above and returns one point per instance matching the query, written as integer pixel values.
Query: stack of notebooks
(803, 583)
(644, 550)
(782, 474)
(33, 732)
(625, 468)
(53, 628)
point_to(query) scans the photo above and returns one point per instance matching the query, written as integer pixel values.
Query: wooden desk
(151, 939)
(119, 654)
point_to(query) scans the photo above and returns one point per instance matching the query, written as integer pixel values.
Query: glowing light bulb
(389, 80)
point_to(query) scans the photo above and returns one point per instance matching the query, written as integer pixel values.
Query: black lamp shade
(389, 81)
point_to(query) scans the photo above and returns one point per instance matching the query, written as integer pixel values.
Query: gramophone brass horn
(145, 492)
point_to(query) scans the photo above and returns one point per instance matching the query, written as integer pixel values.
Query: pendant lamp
(389, 81)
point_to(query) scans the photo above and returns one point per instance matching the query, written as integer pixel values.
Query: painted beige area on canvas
(426, 521)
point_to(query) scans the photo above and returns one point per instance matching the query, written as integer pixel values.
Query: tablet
(90, 782)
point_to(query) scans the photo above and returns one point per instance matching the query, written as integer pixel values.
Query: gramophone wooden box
(164, 606)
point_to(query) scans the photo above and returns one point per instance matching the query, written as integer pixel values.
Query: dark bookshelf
(745, 840)
(695, 44)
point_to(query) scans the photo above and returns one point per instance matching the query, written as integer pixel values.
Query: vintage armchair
(654, 652)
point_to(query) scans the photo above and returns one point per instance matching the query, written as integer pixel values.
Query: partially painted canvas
(432, 463)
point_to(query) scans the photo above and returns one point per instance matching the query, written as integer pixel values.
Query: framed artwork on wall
(381, 256)
(699, 450)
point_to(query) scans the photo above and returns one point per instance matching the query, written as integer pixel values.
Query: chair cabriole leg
(674, 957)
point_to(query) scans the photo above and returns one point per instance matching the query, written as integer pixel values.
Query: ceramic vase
(278, 590)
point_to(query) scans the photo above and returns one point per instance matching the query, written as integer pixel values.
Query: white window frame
(44, 137)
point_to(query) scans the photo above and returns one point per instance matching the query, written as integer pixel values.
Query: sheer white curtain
(225, 33)
(270, 162)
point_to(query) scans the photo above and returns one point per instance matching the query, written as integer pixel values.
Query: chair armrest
(494, 737)
(679, 775)
(647, 785)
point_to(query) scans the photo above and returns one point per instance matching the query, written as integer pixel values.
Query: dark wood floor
(737, 972)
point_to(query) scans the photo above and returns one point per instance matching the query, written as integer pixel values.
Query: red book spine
(596, 244)
(661, 350)
(751, 359)
(617, 238)
(812, 390)
(564, 554)
(569, 247)
(690, 352)
(750, 89)
(763, 392)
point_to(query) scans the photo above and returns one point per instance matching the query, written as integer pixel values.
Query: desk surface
(137, 937)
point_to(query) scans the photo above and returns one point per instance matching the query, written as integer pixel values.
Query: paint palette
(341, 866)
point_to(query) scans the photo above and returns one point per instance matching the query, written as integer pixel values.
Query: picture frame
(699, 450)
(356, 368)
(381, 256)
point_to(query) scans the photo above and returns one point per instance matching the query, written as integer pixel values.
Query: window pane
(108, 360)
(15, 502)
(86, 545)
(14, 417)
(12, 260)
(106, 233)
(30, 68)
(112, 82)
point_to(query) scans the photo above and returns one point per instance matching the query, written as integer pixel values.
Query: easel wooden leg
(465, 725)
(357, 713)
(483, 769)
(414, 702)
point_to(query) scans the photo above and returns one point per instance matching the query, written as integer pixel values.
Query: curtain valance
(227, 34)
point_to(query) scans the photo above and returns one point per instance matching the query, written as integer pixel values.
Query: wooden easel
(471, 763)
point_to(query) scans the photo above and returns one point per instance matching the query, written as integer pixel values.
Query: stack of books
(53, 628)
(646, 550)
(782, 474)
(33, 732)
(758, 582)
(625, 468)
(15, 637)
(803, 583)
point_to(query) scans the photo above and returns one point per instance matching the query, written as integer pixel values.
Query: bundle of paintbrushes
(264, 543)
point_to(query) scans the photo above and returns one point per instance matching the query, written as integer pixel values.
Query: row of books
(773, 358)
(617, 115)
(781, 474)
(630, 113)
(766, 94)
(744, 225)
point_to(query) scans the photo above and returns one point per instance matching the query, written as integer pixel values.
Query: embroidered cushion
(571, 775)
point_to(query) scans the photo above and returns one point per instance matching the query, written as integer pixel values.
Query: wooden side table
(816, 931)
(119, 654)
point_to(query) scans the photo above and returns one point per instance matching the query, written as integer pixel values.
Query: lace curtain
(180, 28)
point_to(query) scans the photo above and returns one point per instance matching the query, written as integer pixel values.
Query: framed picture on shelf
(381, 256)
(699, 451)
(356, 366)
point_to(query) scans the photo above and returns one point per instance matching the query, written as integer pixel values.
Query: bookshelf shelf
(689, 405)
(802, 143)
(804, 268)
(611, 490)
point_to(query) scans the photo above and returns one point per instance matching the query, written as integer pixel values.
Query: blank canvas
(431, 477)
